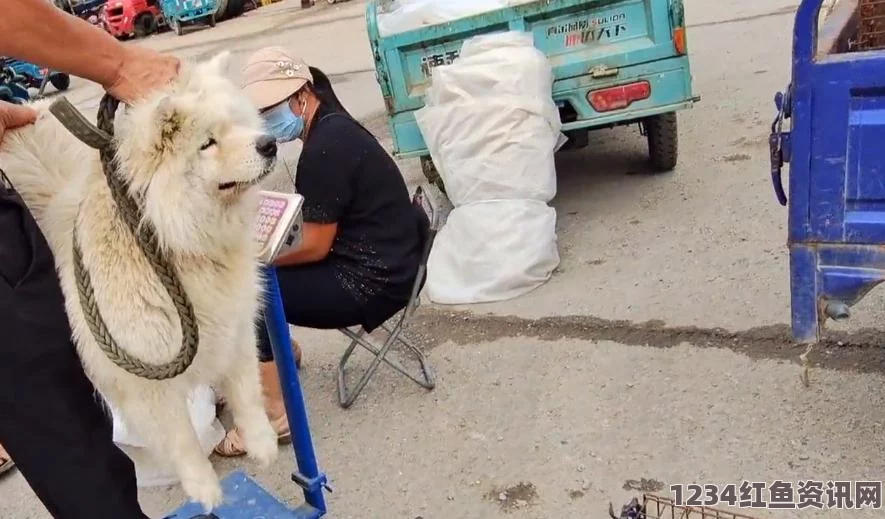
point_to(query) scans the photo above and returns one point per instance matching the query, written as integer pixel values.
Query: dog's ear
(164, 107)
(167, 120)
(220, 62)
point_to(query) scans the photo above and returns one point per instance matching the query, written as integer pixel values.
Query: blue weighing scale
(278, 224)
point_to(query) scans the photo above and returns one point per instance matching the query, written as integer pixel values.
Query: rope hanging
(145, 235)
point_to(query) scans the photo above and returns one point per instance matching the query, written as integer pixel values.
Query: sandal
(6, 463)
(232, 446)
(220, 402)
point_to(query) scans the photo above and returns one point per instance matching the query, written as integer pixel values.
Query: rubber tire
(145, 25)
(431, 174)
(221, 8)
(234, 9)
(662, 132)
(212, 21)
(60, 82)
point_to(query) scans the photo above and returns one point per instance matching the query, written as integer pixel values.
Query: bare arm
(315, 245)
(37, 31)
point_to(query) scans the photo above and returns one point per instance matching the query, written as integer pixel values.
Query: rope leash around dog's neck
(145, 235)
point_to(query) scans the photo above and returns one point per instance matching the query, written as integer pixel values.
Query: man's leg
(51, 420)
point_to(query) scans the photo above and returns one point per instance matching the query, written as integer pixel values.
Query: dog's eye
(208, 144)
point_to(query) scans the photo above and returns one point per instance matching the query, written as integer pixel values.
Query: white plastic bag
(398, 16)
(490, 122)
(150, 471)
(491, 127)
(490, 150)
(492, 251)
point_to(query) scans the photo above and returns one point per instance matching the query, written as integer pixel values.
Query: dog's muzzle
(243, 184)
(266, 146)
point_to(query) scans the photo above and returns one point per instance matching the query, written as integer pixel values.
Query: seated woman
(361, 241)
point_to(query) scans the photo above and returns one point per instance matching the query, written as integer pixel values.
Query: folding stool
(429, 225)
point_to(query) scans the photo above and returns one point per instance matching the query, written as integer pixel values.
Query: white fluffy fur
(207, 232)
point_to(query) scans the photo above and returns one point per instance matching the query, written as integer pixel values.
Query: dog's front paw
(262, 443)
(206, 491)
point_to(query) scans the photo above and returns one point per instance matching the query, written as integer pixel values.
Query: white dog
(192, 155)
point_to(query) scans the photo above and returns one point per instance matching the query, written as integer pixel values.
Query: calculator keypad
(269, 213)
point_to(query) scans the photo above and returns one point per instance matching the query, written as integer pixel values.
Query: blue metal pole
(309, 476)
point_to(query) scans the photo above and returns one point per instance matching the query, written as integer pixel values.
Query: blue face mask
(282, 123)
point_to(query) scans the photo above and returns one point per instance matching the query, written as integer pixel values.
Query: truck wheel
(212, 21)
(431, 174)
(221, 10)
(145, 25)
(61, 82)
(234, 9)
(663, 141)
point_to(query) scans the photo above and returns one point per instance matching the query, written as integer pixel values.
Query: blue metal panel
(836, 103)
(803, 290)
(188, 10)
(245, 499)
(629, 32)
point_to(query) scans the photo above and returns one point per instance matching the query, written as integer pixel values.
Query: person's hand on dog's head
(142, 71)
(14, 116)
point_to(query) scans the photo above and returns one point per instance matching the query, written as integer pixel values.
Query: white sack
(492, 251)
(491, 127)
(482, 69)
(398, 16)
(151, 472)
(490, 122)
(490, 150)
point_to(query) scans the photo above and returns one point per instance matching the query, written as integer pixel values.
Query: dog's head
(193, 155)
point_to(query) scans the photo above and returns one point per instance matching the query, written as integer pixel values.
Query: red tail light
(618, 97)
(679, 40)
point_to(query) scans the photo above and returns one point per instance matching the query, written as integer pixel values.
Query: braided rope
(145, 236)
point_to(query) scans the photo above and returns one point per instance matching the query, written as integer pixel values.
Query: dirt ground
(659, 352)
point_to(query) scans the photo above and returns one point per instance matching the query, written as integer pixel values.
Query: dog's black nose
(266, 145)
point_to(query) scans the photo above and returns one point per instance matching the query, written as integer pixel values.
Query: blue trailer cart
(179, 13)
(615, 62)
(835, 104)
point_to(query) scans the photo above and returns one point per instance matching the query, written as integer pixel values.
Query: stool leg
(345, 398)
(425, 380)
(428, 382)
